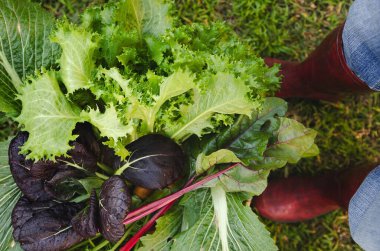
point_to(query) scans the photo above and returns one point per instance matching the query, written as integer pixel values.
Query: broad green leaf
(91, 183)
(25, 28)
(48, 117)
(225, 94)
(147, 16)
(246, 231)
(156, 17)
(247, 137)
(294, 140)
(200, 229)
(9, 196)
(76, 62)
(222, 156)
(166, 227)
(108, 123)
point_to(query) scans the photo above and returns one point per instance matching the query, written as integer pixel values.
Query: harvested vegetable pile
(122, 115)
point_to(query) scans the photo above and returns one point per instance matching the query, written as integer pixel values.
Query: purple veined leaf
(86, 222)
(114, 204)
(156, 162)
(45, 225)
(31, 187)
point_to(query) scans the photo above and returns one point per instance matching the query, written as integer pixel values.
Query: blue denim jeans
(361, 45)
(361, 41)
(364, 213)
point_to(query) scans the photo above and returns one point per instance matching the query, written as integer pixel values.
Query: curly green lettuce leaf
(108, 123)
(76, 63)
(24, 48)
(225, 94)
(174, 85)
(48, 116)
(9, 197)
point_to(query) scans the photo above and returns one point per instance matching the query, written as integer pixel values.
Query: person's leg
(364, 213)
(326, 74)
(361, 41)
(300, 198)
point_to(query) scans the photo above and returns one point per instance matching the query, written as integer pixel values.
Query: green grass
(290, 29)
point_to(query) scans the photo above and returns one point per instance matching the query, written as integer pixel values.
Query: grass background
(289, 29)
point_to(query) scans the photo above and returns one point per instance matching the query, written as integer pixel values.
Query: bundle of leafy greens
(130, 70)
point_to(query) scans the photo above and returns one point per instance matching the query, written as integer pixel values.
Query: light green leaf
(176, 84)
(225, 94)
(147, 16)
(246, 232)
(311, 152)
(200, 229)
(76, 63)
(108, 123)
(166, 227)
(24, 43)
(48, 117)
(293, 141)
(9, 196)
(221, 156)
(242, 179)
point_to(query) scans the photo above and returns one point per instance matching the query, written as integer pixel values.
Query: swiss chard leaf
(242, 179)
(9, 197)
(24, 42)
(293, 141)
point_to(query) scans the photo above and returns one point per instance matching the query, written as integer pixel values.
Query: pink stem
(133, 241)
(151, 207)
(164, 205)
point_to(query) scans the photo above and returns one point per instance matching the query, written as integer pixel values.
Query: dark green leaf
(247, 138)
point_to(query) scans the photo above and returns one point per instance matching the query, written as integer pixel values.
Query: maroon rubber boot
(297, 199)
(324, 75)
